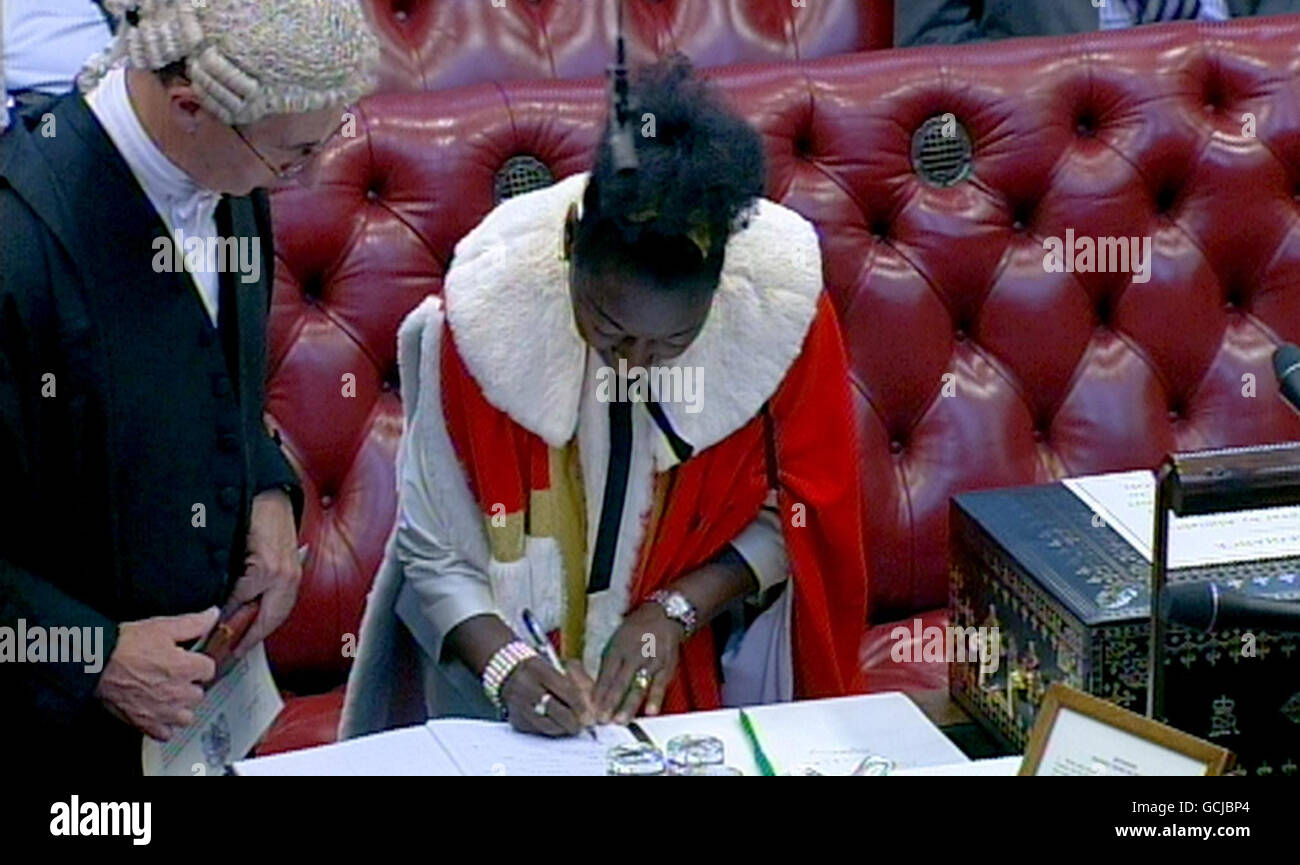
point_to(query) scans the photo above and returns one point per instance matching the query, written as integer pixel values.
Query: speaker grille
(941, 151)
(521, 174)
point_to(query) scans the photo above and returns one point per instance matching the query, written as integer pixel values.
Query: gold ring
(643, 679)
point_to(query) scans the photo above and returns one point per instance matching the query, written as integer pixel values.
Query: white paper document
(409, 752)
(449, 746)
(485, 748)
(831, 736)
(1083, 746)
(992, 767)
(1127, 502)
(834, 736)
(235, 713)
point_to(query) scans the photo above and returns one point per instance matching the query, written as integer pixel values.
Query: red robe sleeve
(819, 471)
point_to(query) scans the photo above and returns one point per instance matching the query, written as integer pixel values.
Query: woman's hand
(569, 708)
(647, 640)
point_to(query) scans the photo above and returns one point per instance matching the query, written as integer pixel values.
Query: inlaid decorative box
(1070, 599)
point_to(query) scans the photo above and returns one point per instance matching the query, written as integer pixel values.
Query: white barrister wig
(248, 59)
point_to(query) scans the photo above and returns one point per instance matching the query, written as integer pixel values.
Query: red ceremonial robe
(802, 444)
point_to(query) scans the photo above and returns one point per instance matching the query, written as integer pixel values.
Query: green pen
(764, 764)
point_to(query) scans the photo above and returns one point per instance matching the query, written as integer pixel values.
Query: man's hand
(618, 696)
(152, 683)
(272, 570)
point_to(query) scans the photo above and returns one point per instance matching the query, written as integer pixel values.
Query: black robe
(153, 411)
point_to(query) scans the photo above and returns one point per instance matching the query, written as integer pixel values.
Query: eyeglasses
(294, 166)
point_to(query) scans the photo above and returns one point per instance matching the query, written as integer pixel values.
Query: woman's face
(623, 314)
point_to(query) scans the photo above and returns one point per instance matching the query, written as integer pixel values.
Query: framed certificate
(1078, 734)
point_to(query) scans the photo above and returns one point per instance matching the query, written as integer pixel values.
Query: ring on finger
(643, 679)
(540, 708)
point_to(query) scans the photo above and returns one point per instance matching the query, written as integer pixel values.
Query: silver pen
(546, 650)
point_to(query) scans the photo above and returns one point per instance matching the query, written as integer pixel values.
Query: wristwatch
(677, 608)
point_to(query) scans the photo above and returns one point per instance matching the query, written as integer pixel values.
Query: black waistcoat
(144, 458)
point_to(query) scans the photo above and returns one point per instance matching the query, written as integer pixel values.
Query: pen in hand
(546, 650)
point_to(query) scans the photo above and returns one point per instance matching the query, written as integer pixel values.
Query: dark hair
(173, 73)
(700, 174)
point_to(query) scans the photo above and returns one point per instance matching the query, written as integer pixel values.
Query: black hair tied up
(701, 173)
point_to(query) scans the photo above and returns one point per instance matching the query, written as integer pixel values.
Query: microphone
(622, 139)
(1286, 365)
(1208, 608)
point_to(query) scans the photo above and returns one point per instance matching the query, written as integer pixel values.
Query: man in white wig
(143, 492)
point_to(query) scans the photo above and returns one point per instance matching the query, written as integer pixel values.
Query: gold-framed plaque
(1079, 734)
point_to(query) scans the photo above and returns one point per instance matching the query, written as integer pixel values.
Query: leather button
(221, 385)
(229, 497)
(220, 557)
(228, 442)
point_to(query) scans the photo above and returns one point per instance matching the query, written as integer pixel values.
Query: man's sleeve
(935, 22)
(271, 470)
(26, 599)
(56, 689)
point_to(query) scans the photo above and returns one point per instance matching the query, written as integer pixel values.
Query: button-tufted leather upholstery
(432, 44)
(971, 366)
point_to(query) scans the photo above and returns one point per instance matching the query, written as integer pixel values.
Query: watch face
(677, 606)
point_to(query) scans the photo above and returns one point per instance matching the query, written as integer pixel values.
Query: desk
(964, 731)
(832, 735)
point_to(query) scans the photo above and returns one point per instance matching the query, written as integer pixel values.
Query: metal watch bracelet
(677, 608)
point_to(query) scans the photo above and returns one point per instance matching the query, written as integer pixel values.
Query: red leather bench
(971, 365)
(433, 44)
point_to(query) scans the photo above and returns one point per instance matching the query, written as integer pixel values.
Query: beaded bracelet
(501, 665)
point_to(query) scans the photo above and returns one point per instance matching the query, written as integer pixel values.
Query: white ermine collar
(509, 308)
